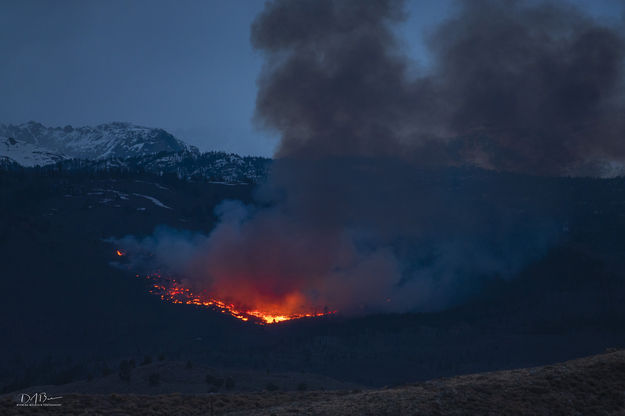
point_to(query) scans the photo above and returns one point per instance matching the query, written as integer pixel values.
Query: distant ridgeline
(212, 166)
(121, 147)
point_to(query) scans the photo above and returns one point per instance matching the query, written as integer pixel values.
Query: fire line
(172, 291)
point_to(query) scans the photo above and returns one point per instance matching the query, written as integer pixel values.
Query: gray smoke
(350, 218)
(518, 86)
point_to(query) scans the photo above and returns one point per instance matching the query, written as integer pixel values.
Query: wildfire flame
(172, 291)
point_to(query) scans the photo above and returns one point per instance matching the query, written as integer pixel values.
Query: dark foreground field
(592, 385)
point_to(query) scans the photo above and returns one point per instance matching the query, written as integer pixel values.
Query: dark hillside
(591, 385)
(73, 316)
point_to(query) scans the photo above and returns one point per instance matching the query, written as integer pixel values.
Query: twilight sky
(184, 65)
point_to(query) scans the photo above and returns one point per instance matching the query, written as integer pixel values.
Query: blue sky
(186, 66)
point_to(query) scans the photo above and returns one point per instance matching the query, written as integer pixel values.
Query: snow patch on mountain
(218, 167)
(124, 147)
(27, 154)
(153, 200)
(96, 143)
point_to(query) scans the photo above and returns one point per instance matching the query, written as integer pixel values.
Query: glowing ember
(172, 291)
(120, 253)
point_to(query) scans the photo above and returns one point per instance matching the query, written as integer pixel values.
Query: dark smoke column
(533, 87)
(349, 218)
(334, 82)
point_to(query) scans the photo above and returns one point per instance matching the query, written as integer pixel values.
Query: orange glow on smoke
(172, 291)
(285, 308)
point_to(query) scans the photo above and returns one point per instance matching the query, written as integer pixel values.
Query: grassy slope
(592, 385)
(178, 377)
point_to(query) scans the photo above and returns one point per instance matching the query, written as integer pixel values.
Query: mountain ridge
(121, 146)
(228, 168)
(116, 139)
(26, 154)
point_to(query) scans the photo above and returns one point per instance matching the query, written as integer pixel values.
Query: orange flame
(171, 291)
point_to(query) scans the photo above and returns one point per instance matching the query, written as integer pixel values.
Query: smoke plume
(360, 212)
(514, 85)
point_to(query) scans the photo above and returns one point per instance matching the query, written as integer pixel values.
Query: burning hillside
(173, 291)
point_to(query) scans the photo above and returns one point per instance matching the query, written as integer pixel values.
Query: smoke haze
(361, 211)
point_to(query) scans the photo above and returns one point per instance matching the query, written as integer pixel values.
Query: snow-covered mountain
(26, 154)
(124, 147)
(119, 140)
(212, 166)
